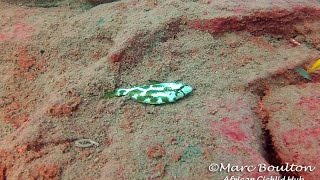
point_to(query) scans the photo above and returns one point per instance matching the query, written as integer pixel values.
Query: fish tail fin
(109, 94)
(117, 92)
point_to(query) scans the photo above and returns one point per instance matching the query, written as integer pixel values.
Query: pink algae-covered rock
(295, 127)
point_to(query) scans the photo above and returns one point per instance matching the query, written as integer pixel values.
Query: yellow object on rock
(314, 67)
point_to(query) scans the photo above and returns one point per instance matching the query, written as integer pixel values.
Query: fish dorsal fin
(154, 82)
(158, 82)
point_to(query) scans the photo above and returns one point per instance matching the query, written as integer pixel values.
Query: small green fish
(155, 93)
(303, 73)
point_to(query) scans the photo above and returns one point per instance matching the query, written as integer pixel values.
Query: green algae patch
(191, 152)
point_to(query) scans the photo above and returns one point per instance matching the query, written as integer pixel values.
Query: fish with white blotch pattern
(155, 93)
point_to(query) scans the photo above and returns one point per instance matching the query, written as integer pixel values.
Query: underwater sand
(249, 106)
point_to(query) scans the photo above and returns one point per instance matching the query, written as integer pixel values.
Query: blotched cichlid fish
(155, 93)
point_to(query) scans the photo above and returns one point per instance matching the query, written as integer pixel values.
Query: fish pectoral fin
(153, 82)
(109, 94)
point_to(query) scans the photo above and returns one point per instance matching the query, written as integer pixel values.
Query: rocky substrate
(56, 63)
(294, 124)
